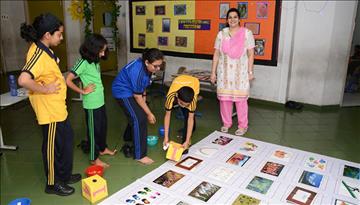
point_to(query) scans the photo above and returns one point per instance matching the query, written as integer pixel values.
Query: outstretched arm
(142, 103)
(166, 127)
(190, 126)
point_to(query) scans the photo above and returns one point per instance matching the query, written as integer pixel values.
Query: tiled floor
(333, 132)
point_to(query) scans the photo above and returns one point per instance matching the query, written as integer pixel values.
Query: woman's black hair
(152, 54)
(186, 94)
(42, 24)
(91, 48)
(228, 13)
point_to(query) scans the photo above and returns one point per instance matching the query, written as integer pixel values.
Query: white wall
(74, 34)
(322, 41)
(356, 36)
(13, 45)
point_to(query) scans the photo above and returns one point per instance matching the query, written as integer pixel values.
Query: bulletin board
(189, 28)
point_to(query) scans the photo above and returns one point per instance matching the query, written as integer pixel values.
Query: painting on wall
(243, 9)
(160, 10)
(180, 9)
(165, 25)
(224, 7)
(140, 10)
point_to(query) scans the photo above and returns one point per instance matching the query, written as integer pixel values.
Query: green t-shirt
(90, 73)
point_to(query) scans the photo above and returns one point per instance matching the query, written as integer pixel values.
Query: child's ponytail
(28, 33)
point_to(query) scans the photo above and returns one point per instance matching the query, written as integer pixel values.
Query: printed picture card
(189, 163)
(145, 195)
(168, 178)
(206, 151)
(351, 172)
(272, 168)
(243, 199)
(311, 178)
(223, 174)
(260, 184)
(282, 155)
(238, 159)
(301, 196)
(341, 202)
(249, 147)
(316, 163)
(222, 140)
(349, 189)
(204, 191)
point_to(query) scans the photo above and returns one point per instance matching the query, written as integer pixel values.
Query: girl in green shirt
(88, 69)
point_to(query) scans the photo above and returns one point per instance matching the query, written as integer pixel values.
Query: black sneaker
(74, 178)
(127, 150)
(186, 151)
(60, 189)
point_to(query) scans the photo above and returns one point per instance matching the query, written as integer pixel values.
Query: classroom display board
(189, 28)
(227, 169)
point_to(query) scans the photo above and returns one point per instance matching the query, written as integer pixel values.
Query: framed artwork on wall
(160, 10)
(162, 41)
(140, 10)
(253, 27)
(243, 10)
(180, 9)
(262, 10)
(165, 25)
(224, 7)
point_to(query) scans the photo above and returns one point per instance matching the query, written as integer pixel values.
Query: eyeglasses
(156, 66)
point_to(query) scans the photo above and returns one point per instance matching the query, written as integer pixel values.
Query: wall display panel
(191, 27)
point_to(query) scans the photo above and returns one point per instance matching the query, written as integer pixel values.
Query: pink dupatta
(234, 47)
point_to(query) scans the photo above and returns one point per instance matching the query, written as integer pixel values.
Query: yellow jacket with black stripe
(179, 82)
(44, 69)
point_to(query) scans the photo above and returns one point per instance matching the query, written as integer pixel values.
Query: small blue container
(20, 201)
(162, 131)
(152, 140)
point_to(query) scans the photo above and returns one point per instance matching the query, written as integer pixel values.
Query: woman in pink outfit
(232, 69)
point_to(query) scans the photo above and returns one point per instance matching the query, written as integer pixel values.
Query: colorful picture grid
(225, 175)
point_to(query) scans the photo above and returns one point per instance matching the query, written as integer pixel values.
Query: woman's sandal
(224, 129)
(240, 132)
